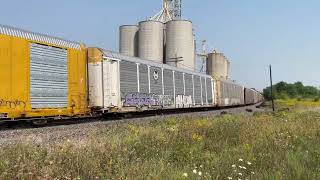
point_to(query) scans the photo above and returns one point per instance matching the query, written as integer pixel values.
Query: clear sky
(252, 33)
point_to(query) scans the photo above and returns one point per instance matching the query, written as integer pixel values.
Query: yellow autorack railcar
(41, 76)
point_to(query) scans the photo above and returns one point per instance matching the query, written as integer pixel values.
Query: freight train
(47, 77)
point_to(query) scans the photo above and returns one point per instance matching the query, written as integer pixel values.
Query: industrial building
(169, 39)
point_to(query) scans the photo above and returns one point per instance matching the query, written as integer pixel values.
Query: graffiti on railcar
(182, 100)
(12, 104)
(145, 99)
(139, 99)
(166, 100)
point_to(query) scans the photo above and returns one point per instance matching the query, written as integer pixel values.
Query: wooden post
(273, 108)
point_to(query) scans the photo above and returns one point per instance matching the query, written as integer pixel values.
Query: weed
(281, 145)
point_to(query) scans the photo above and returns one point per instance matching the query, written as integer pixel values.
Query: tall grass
(283, 145)
(297, 104)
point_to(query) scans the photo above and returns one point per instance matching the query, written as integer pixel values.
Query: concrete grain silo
(217, 65)
(128, 40)
(228, 69)
(180, 44)
(151, 44)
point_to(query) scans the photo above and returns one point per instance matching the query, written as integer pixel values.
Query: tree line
(283, 90)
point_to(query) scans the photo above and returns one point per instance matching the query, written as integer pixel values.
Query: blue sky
(252, 34)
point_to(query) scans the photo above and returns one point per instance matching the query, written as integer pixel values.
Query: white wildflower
(244, 167)
(240, 160)
(194, 171)
(240, 174)
(249, 163)
(201, 166)
(200, 173)
(252, 173)
(229, 178)
(185, 174)
(234, 166)
(240, 167)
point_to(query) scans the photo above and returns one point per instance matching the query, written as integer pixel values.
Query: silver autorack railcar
(119, 83)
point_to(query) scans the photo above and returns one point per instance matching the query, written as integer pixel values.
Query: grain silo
(216, 65)
(180, 44)
(151, 40)
(228, 69)
(128, 41)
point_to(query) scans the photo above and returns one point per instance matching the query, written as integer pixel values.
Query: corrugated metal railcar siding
(168, 83)
(179, 83)
(188, 84)
(143, 78)
(241, 92)
(204, 90)
(223, 92)
(209, 91)
(197, 90)
(128, 78)
(48, 77)
(232, 91)
(156, 80)
(229, 93)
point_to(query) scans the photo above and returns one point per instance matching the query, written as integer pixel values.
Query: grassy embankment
(281, 145)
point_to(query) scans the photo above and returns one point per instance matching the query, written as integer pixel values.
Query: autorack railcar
(119, 83)
(249, 96)
(41, 76)
(229, 93)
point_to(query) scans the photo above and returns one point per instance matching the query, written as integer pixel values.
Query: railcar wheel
(39, 122)
(127, 115)
(249, 110)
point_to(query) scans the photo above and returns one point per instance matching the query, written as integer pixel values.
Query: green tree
(283, 90)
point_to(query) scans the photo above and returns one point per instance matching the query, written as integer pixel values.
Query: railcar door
(111, 83)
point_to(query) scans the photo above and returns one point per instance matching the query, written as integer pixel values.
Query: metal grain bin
(217, 65)
(180, 44)
(151, 40)
(128, 40)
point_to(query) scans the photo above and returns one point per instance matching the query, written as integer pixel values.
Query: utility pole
(273, 109)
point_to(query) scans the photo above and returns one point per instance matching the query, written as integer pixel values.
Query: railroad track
(26, 124)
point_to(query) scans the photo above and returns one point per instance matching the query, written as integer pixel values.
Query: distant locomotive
(47, 77)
